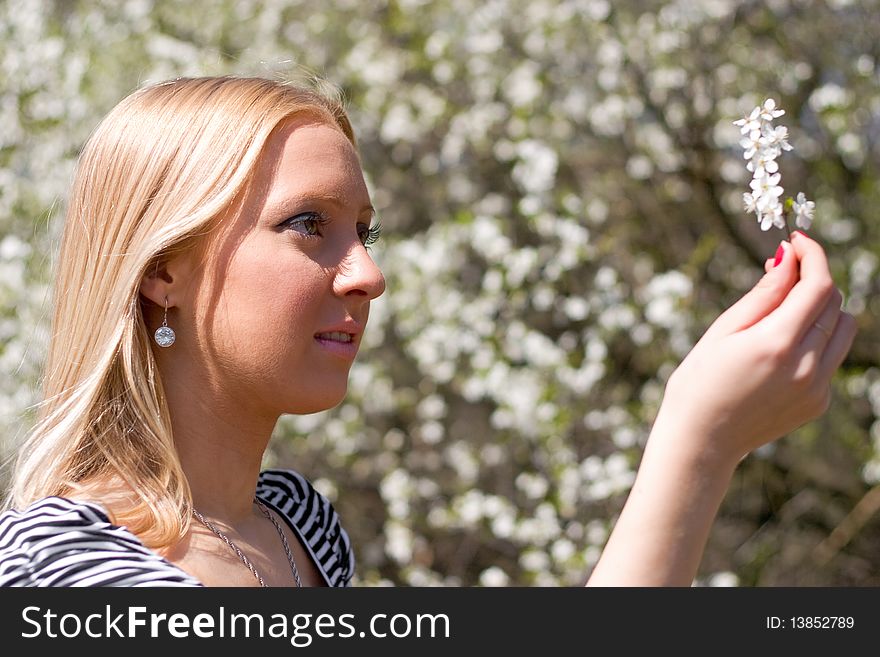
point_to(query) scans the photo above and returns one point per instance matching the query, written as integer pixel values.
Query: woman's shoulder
(60, 542)
(314, 517)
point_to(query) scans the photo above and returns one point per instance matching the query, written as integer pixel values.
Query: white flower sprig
(762, 144)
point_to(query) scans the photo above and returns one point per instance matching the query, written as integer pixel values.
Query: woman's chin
(315, 403)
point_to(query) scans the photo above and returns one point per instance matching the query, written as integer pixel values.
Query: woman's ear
(157, 283)
(165, 280)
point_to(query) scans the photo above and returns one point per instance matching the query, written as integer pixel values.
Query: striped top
(59, 542)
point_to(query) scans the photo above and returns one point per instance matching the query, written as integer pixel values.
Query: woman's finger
(838, 346)
(818, 335)
(810, 295)
(763, 298)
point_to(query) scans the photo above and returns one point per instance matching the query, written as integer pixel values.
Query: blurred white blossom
(551, 175)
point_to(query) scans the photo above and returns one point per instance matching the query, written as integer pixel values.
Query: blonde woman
(214, 275)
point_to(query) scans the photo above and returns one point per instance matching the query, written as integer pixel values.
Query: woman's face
(283, 301)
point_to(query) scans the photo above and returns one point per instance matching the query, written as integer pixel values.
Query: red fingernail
(780, 252)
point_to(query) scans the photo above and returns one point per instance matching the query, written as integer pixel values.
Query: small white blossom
(769, 112)
(767, 189)
(770, 166)
(777, 136)
(775, 216)
(803, 211)
(750, 147)
(750, 123)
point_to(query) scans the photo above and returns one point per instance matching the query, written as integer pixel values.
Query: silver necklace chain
(241, 555)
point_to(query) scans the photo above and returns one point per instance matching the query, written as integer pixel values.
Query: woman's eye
(307, 223)
(369, 234)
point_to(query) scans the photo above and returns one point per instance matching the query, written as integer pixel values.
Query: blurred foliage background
(560, 187)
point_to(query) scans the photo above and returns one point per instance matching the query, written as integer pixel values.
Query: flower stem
(787, 211)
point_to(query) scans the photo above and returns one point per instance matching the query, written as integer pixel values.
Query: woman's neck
(222, 474)
(220, 443)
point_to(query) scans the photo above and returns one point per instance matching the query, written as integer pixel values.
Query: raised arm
(761, 370)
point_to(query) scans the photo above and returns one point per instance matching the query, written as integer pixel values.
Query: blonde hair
(157, 173)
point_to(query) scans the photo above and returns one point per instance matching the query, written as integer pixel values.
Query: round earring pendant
(165, 336)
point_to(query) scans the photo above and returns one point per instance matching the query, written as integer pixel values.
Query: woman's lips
(338, 343)
(337, 336)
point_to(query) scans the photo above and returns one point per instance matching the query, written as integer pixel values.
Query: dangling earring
(165, 334)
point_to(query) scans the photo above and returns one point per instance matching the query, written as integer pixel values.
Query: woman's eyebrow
(291, 203)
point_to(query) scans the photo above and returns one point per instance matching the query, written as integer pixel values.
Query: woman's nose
(358, 275)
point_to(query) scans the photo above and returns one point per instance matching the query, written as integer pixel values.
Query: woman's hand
(764, 367)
